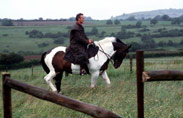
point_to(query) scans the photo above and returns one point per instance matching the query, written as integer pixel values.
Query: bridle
(107, 55)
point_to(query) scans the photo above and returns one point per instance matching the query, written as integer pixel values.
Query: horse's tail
(45, 67)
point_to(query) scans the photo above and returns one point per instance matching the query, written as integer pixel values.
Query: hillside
(33, 40)
(151, 14)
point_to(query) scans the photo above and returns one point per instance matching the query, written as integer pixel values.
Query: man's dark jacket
(77, 51)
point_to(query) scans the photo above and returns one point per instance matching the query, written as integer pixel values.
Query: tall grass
(162, 99)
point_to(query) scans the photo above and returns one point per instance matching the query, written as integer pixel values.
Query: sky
(97, 9)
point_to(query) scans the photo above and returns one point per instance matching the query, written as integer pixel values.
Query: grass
(162, 99)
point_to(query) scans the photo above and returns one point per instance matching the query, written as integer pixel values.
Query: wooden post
(32, 70)
(131, 60)
(140, 84)
(6, 69)
(6, 94)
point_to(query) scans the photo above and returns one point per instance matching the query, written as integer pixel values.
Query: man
(77, 51)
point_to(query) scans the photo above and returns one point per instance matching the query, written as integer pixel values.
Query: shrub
(59, 40)
(24, 64)
(7, 22)
(43, 45)
(109, 22)
(5, 35)
(94, 31)
(35, 34)
(12, 58)
(138, 24)
(116, 22)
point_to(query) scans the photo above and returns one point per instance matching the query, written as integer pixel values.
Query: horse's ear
(126, 50)
(129, 46)
(119, 41)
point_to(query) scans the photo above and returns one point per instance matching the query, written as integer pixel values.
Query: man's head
(80, 18)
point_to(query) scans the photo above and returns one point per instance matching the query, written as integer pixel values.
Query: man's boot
(84, 69)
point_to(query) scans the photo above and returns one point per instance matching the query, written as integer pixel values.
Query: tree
(176, 21)
(161, 44)
(181, 42)
(35, 34)
(165, 17)
(139, 24)
(131, 18)
(154, 21)
(170, 43)
(109, 22)
(123, 29)
(146, 38)
(94, 31)
(7, 22)
(40, 19)
(116, 22)
(158, 17)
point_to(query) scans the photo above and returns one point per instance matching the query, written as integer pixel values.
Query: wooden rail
(8, 84)
(163, 75)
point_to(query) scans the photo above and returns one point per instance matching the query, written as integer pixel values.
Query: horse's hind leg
(106, 78)
(58, 80)
(48, 79)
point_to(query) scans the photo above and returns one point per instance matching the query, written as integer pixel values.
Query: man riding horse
(77, 51)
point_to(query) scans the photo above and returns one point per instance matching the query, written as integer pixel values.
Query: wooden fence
(164, 75)
(8, 83)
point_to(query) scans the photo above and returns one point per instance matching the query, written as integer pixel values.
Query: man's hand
(90, 41)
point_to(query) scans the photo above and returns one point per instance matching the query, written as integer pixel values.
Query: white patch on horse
(75, 68)
(48, 60)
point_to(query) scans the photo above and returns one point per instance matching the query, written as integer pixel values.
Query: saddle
(92, 50)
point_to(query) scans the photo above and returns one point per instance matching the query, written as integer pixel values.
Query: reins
(107, 55)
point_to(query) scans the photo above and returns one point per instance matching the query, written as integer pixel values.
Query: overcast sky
(97, 9)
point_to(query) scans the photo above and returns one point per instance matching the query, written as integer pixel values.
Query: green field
(14, 39)
(162, 99)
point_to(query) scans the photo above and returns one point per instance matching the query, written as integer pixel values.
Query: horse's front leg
(106, 78)
(58, 80)
(94, 77)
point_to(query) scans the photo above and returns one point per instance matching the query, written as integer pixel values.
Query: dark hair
(78, 16)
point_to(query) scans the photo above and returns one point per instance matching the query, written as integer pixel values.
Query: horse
(110, 49)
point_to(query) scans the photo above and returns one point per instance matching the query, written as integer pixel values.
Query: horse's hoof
(108, 85)
(92, 88)
(55, 91)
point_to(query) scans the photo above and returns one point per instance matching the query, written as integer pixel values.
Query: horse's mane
(107, 40)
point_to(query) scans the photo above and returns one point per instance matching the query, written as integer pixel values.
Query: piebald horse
(110, 49)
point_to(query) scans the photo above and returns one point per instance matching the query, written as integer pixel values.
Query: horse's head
(121, 52)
